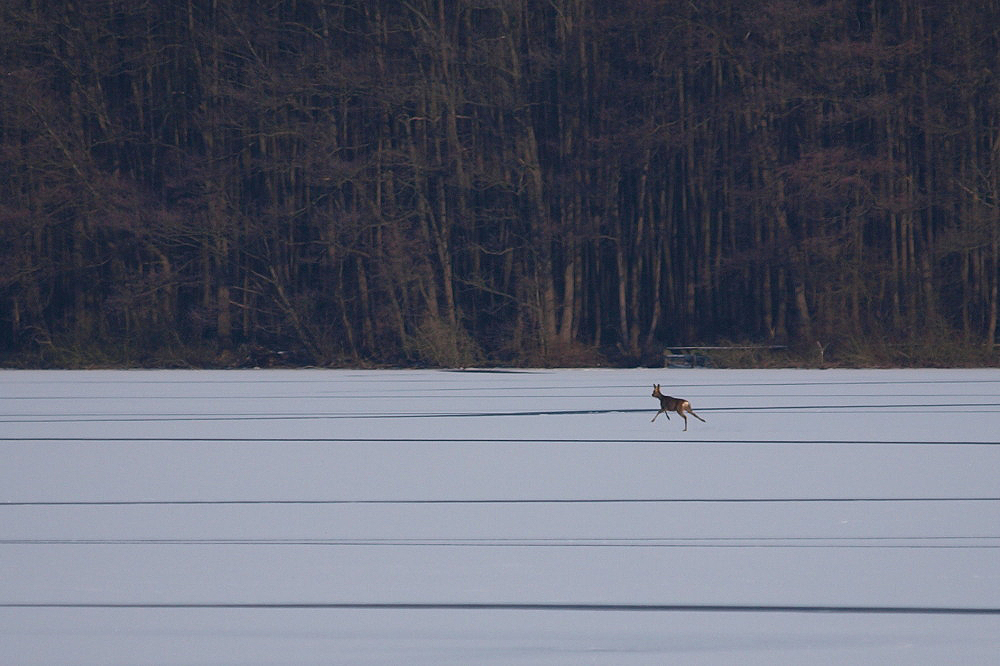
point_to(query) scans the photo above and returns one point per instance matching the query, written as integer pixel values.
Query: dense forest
(452, 182)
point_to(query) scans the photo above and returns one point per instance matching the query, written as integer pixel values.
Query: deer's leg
(685, 420)
(691, 411)
(656, 414)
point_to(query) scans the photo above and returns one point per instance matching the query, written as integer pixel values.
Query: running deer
(679, 405)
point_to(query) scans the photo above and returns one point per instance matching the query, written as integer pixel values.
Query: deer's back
(671, 403)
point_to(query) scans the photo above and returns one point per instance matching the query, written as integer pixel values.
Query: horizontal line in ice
(527, 606)
(599, 500)
(915, 542)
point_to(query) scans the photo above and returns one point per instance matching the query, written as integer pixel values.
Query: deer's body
(669, 404)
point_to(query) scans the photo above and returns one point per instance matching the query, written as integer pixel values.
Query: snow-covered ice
(519, 517)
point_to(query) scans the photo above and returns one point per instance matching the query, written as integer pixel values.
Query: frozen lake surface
(521, 517)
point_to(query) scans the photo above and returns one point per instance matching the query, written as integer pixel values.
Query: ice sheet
(179, 517)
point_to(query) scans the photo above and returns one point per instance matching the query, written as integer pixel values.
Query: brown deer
(679, 405)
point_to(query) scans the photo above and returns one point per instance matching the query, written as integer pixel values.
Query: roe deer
(679, 405)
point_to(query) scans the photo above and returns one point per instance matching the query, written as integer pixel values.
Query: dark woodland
(461, 182)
